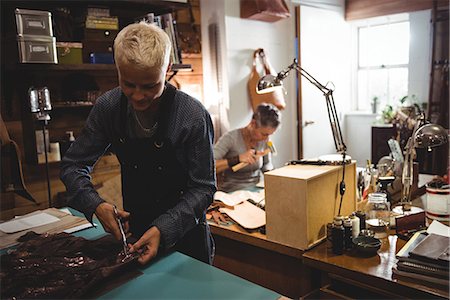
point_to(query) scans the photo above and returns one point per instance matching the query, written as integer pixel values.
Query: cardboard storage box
(302, 199)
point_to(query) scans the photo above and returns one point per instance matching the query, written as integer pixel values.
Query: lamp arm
(334, 123)
(407, 172)
(332, 116)
(331, 108)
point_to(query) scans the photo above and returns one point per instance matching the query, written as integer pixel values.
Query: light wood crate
(302, 199)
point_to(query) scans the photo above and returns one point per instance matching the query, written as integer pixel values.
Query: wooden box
(302, 199)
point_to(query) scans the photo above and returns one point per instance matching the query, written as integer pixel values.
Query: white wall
(215, 81)
(242, 37)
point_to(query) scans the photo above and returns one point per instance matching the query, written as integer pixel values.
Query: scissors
(124, 239)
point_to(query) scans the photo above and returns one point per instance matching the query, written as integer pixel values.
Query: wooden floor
(11, 204)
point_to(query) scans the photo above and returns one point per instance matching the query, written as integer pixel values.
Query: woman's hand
(147, 246)
(105, 214)
(250, 156)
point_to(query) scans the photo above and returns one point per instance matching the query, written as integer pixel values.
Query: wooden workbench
(316, 272)
(251, 256)
(352, 276)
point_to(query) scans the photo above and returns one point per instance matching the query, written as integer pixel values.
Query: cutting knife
(124, 238)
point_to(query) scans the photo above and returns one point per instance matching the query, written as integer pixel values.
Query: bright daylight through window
(382, 69)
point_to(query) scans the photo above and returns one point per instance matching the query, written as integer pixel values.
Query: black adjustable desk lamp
(270, 82)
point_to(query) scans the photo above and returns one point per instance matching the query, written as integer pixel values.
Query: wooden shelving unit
(68, 83)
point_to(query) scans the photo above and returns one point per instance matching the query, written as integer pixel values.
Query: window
(382, 62)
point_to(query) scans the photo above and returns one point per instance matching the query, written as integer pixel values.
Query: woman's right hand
(105, 214)
(250, 156)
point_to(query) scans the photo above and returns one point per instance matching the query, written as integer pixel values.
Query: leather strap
(260, 56)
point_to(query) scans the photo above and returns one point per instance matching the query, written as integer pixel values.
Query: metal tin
(438, 203)
(33, 22)
(69, 52)
(37, 49)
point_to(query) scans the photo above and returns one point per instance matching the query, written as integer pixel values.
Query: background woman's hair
(267, 115)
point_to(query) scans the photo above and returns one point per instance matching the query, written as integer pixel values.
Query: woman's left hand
(147, 245)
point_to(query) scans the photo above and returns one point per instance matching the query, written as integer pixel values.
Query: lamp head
(430, 135)
(268, 83)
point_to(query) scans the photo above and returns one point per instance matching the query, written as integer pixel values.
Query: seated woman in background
(246, 145)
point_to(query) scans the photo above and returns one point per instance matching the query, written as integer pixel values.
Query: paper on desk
(66, 210)
(239, 196)
(65, 221)
(79, 228)
(24, 223)
(438, 228)
(246, 214)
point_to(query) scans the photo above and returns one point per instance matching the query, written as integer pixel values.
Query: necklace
(148, 131)
(249, 143)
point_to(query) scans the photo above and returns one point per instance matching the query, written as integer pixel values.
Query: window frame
(355, 28)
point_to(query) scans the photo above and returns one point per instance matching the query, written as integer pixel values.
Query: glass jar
(378, 214)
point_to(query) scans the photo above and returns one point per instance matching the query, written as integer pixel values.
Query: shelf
(62, 67)
(121, 7)
(83, 67)
(77, 104)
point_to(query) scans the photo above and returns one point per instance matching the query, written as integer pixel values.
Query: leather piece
(59, 266)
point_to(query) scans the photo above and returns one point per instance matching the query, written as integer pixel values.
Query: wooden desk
(251, 256)
(355, 276)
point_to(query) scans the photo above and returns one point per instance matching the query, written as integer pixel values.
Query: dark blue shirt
(191, 134)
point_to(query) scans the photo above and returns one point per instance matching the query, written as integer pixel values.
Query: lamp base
(406, 209)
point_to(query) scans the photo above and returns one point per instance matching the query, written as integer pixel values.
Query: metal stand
(47, 173)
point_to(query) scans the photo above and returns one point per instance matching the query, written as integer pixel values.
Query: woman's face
(141, 86)
(262, 133)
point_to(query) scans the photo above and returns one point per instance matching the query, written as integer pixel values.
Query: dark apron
(153, 180)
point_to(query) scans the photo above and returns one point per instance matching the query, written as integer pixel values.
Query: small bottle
(70, 136)
(329, 232)
(337, 234)
(362, 219)
(348, 233)
(355, 225)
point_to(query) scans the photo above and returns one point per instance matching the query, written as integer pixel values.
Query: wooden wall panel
(361, 9)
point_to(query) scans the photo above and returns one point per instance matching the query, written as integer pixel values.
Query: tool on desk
(124, 238)
(316, 162)
(258, 203)
(270, 149)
